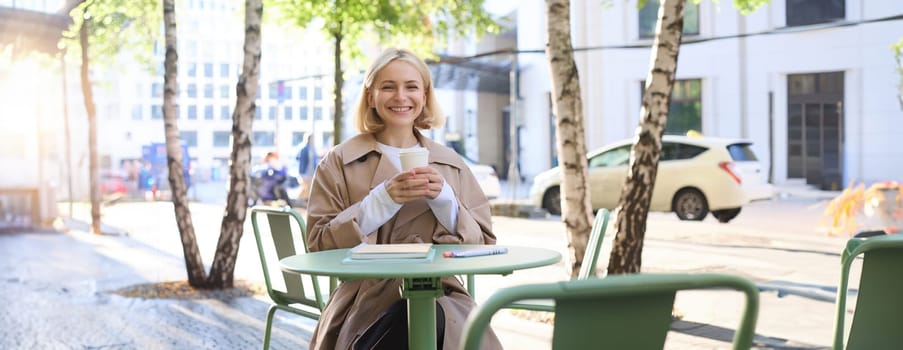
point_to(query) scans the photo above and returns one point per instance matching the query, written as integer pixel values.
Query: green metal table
(422, 283)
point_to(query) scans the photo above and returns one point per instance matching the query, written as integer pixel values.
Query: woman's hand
(423, 182)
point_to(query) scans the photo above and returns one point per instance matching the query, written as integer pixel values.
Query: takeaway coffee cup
(414, 158)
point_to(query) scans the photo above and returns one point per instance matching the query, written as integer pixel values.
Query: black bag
(390, 331)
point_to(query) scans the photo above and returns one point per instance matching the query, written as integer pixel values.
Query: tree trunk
(222, 271)
(627, 250)
(88, 95)
(194, 264)
(338, 115)
(576, 211)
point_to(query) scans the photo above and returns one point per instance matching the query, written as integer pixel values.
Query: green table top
(330, 263)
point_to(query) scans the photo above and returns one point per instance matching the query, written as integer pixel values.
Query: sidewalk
(59, 291)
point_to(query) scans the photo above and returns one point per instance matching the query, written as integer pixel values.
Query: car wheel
(690, 204)
(551, 201)
(725, 215)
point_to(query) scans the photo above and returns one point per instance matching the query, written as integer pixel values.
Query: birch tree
(223, 268)
(576, 210)
(633, 205)
(174, 157)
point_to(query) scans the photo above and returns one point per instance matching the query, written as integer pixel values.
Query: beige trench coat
(344, 177)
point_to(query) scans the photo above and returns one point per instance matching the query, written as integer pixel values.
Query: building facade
(812, 83)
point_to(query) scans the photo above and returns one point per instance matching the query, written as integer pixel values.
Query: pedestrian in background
(307, 165)
(271, 174)
(360, 194)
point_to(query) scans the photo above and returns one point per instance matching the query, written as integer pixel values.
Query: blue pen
(477, 252)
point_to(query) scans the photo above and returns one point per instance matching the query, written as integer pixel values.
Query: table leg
(421, 294)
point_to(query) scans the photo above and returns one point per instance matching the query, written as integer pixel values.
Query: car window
(679, 151)
(614, 157)
(741, 152)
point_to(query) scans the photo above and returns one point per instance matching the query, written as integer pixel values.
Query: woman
(360, 195)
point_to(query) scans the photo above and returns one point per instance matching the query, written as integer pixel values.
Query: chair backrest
(299, 289)
(616, 312)
(594, 245)
(879, 301)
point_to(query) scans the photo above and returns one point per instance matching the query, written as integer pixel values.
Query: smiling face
(398, 94)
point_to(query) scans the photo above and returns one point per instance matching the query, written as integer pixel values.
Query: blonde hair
(365, 117)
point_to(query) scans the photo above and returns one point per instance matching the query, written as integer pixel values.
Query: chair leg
(266, 335)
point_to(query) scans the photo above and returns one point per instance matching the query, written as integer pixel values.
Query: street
(774, 243)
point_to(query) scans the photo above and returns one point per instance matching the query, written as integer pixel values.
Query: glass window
(272, 113)
(287, 94)
(208, 90)
(257, 113)
(192, 112)
(318, 93)
(156, 112)
(613, 157)
(137, 112)
(263, 138)
(302, 113)
(224, 70)
(192, 69)
(221, 138)
(224, 91)
(804, 12)
(208, 70)
(679, 151)
(208, 112)
(274, 92)
(649, 18)
(287, 113)
(192, 90)
(302, 92)
(190, 138)
(318, 113)
(298, 137)
(685, 111)
(741, 152)
(157, 90)
(225, 113)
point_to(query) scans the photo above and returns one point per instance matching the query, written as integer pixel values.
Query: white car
(486, 176)
(696, 175)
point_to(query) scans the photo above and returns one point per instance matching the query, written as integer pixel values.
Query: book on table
(366, 251)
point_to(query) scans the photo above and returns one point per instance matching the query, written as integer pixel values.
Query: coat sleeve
(332, 221)
(474, 224)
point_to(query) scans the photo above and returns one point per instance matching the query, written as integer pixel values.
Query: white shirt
(378, 207)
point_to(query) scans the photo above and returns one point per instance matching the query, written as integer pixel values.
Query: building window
(804, 12)
(272, 113)
(192, 112)
(192, 69)
(318, 93)
(264, 138)
(208, 70)
(287, 94)
(224, 91)
(208, 90)
(302, 92)
(257, 112)
(287, 113)
(156, 90)
(318, 113)
(137, 112)
(190, 138)
(224, 70)
(221, 138)
(298, 137)
(685, 111)
(208, 112)
(649, 18)
(156, 112)
(302, 113)
(192, 90)
(224, 113)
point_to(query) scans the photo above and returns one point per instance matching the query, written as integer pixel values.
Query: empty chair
(587, 269)
(616, 312)
(879, 302)
(302, 294)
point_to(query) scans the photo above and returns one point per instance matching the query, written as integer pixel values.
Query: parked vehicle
(696, 175)
(487, 177)
(113, 182)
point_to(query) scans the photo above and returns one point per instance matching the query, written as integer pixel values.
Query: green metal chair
(587, 269)
(879, 302)
(615, 312)
(302, 294)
